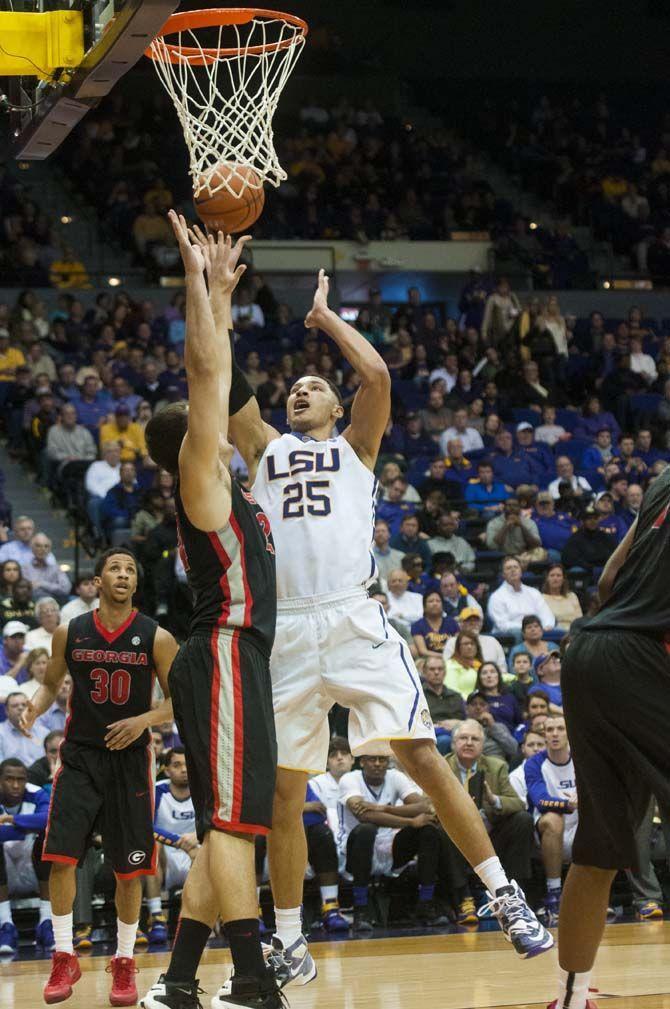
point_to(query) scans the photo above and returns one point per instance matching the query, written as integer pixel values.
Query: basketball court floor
(465, 971)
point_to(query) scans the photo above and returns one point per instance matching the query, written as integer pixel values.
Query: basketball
(221, 210)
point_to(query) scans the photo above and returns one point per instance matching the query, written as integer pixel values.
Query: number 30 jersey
(320, 500)
(112, 675)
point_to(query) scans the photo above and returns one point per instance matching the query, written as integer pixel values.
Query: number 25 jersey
(112, 675)
(320, 500)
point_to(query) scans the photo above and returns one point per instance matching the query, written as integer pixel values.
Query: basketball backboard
(116, 33)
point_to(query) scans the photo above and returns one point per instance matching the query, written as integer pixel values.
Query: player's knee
(289, 796)
(418, 756)
(551, 823)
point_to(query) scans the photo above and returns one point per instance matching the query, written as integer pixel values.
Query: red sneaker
(65, 972)
(124, 989)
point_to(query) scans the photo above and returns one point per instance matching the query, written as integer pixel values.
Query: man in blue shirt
(512, 467)
(93, 405)
(23, 817)
(555, 528)
(408, 541)
(609, 521)
(538, 453)
(394, 508)
(484, 495)
(547, 668)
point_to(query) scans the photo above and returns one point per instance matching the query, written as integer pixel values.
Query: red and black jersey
(112, 675)
(231, 571)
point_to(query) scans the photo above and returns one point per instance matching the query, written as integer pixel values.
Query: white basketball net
(226, 103)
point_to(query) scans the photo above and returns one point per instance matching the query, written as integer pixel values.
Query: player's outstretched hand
(320, 304)
(27, 719)
(193, 256)
(125, 732)
(221, 257)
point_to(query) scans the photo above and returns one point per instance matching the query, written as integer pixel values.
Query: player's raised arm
(247, 429)
(45, 695)
(204, 453)
(372, 403)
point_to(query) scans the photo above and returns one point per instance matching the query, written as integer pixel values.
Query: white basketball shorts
(340, 648)
(177, 865)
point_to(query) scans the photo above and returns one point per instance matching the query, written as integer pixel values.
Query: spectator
(498, 741)
(514, 535)
(536, 452)
(42, 772)
(93, 404)
(446, 541)
(455, 597)
(394, 508)
(34, 669)
(547, 668)
(19, 605)
(46, 575)
(522, 670)
(469, 437)
(408, 541)
(87, 598)
(404, 606)
(10, 574)
(512, 467)
(549, 432)
(483, 494)
(501, 313)
(510, 827)
(458, 469)
(590, 547)
(101, 476)
(552, 797)
(12, 653)
(537, 711)
(601, 452)
(127, 434)
(55, 718)
(434, 629)
(471, 619)
(375, 839)
(461, 668)
(13, 741)
(531, 639)
(562, 602)
(419, 581)
(11, 358)
(593, 419)
(608, 521)
(510, 603)
(25, 808)
(20, 547)
(246, 314)
(47, 614)
(641, 363)
(566, 474)
(555, 527)
(502, 703)
(446, 706)
(435, 415)
(633, 503)
(68, 442)
(531, 744)
(121, 502)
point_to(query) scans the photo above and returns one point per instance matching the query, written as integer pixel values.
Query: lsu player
(174, 829)
(333, 643)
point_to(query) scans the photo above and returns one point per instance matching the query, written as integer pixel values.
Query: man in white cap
(540, 456)
(609, 521)
(13, 647)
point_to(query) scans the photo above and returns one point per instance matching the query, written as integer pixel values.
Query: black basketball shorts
(110, 788)
(616, 698)
(222, 696)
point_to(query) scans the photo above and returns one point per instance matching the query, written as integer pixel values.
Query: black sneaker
(249, 993)
(429, 912)
(363, 919)
(172, 995)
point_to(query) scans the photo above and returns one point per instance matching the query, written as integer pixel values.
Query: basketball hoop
(226, 93)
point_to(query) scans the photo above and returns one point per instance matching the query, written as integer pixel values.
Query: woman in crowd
(35, 669)
(492, 428)
(462, 667)
(503, 705)
(10, 573)
(563, 603)
(433, 631)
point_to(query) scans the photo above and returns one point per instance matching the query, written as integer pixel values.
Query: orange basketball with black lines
(222, 210)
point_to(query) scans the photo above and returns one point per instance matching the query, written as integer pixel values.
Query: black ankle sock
(189, 945)
(245, 947)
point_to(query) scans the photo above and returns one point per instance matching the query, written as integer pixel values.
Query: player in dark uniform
(616, 697)
(106, 767)
(220, 681)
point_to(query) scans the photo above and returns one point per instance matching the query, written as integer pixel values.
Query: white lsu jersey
(320, 500)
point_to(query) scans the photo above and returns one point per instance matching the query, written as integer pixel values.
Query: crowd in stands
(600, 162)
(352, 174)
(515, 460)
